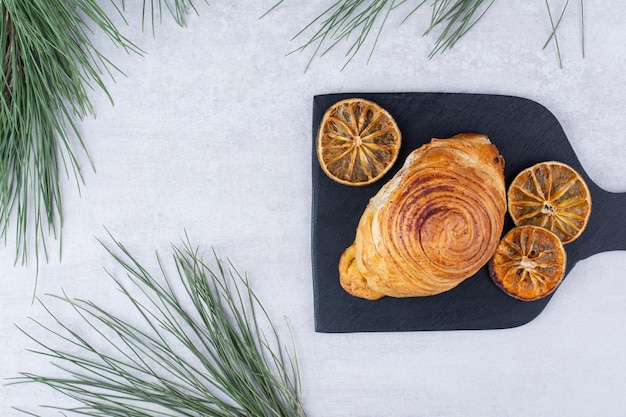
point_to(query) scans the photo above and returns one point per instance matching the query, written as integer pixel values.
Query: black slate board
(525, 133)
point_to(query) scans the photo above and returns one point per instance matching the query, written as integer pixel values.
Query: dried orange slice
(529, 262)
(358, 142)
(551, 195)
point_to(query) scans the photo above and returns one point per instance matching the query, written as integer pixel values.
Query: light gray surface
(210, 133)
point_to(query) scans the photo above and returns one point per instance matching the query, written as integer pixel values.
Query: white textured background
(210, 133)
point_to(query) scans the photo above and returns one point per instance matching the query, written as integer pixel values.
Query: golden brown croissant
(434, 224)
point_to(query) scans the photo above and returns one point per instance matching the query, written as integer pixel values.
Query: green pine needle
(195, 347)
(353, 22)
(555, 23)
(153, 11)
(50, 69)
(457, 18)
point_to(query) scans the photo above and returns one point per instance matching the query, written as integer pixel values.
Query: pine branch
(354, 22)
(196, 350)
(50, 67)
(457, 18)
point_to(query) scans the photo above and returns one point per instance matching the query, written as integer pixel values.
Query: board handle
(607, 225)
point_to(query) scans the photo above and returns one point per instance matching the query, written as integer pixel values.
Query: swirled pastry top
(434, 224)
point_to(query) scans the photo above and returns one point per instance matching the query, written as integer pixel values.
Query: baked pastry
(434, 224)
